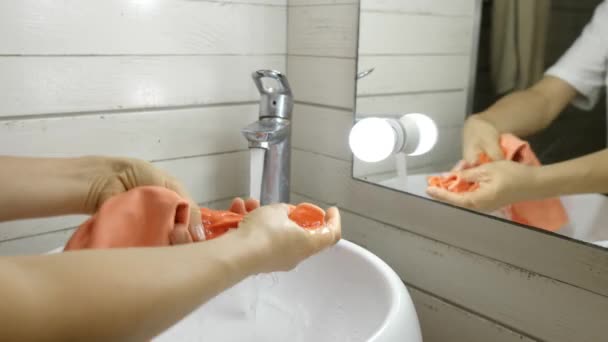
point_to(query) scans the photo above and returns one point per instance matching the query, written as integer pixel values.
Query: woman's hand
(119, 175)
(159, 285)
(239, 206)
(480, 136)
(181, 235)
(500, 183)
(283, 243)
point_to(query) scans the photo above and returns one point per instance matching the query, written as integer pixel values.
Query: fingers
(180, 235)
(461, 165)
(334, 223)
(458, 199)
(494, 151)
(252, 204)
(328, 235)
(238, 206)
(196, 226)
(472, 175)
(482, 199)
(172, 184)
(470, 155)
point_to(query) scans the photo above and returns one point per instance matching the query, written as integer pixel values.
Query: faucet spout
(272, 134)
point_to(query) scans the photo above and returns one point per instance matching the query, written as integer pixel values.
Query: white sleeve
(584, 64)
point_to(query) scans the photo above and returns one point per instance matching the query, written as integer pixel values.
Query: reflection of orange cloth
(548, 214)
(145, 216)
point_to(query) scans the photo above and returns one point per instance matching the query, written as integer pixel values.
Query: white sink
(345, 293)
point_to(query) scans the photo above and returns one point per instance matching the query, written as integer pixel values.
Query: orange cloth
(547, 214)
(145, 217)
(218, 222)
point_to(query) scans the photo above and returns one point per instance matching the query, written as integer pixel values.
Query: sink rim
(401, 303)
(398, 294)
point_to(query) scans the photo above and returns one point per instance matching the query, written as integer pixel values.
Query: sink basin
(345, 293)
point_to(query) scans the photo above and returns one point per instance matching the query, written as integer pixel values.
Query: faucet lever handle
(277, 102)
(283, 85)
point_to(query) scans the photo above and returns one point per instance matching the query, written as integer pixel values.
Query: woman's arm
(521, 113)
(529, 111)
(43, 187)
(134, 294)
(588, 174)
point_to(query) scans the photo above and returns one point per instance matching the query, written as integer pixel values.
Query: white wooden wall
(421, 52)
(166, 81)
(472, 278)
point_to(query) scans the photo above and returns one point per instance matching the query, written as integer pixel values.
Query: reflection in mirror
(446, 88)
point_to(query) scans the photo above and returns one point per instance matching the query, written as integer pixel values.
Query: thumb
(196, 225)
(494, 152)
(470, 154)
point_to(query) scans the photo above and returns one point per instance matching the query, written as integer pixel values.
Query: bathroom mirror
(424, 66)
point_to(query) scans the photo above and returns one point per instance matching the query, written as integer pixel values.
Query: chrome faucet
(272, 134)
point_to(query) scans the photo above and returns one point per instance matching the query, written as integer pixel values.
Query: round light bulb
(427, 133)
(372, 139)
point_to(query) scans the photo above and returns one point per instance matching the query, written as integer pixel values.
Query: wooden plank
(547, 309)
(394, 33)
(253, 2)
(406, 74)
(367, 171)
(441, 321)
(152, 135)
(207, 178)
(322, 130)
(38, 244)
(42, 243)
(23, 228)
(310, 3)
(573, 263)
(321, 80)
(115, 27)
(308, 31)
(423, 7)
(43, 85)
(445, 108)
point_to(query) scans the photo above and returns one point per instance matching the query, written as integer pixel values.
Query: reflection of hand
(283, 243)
(500, 183)
(480, 136)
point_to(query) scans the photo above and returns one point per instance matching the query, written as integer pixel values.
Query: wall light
(375, 139)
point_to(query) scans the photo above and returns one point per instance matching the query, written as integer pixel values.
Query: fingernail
(198, 230)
